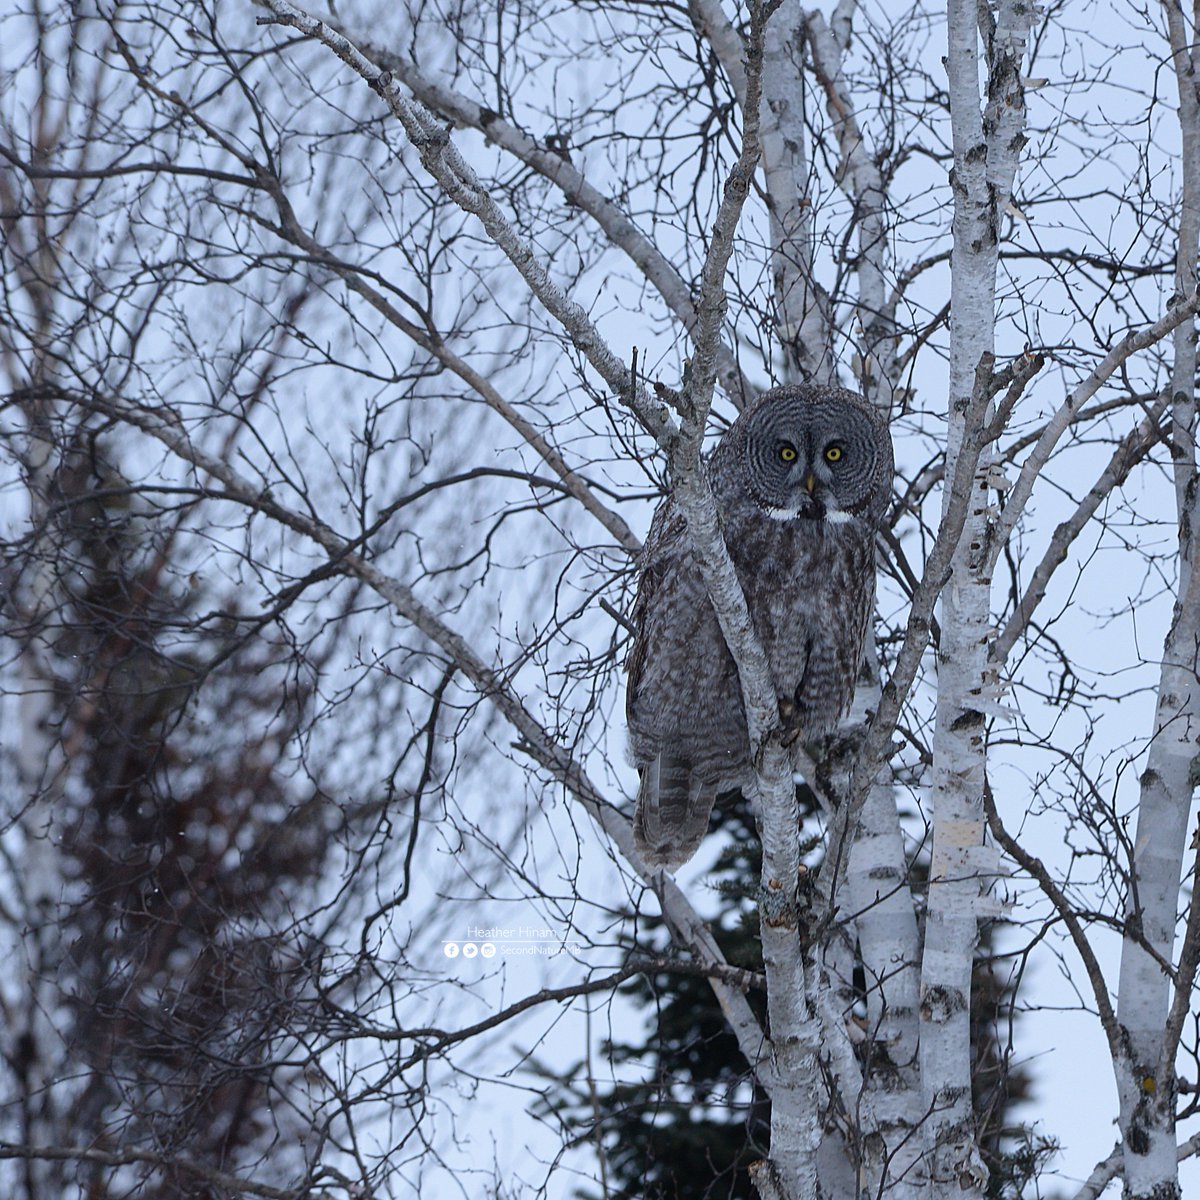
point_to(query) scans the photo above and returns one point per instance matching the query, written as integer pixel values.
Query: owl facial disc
(810, 456)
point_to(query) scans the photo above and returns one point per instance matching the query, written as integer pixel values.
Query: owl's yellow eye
(833, 453)
(787, 453)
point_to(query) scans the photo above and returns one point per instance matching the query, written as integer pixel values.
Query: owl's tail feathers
(674, 806)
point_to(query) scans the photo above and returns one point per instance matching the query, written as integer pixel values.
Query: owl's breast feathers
(809, 585)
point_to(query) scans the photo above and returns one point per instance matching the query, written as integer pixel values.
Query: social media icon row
(469, 949)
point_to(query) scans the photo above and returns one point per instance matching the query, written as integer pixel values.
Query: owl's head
(815, 452)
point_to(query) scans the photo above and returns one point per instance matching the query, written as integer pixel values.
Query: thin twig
(1070, 918)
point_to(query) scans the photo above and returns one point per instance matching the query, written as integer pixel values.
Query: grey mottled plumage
(801, 480)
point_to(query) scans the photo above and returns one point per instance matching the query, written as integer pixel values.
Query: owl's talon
(790, 720)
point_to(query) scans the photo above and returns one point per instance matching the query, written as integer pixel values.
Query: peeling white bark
(986, 145)
(878, 892)
(1145, 1070)
(860, 179)
(802, 309)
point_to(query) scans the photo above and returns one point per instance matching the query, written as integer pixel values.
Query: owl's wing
(665, 542)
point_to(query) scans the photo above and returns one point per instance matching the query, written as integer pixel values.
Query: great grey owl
(801, 481)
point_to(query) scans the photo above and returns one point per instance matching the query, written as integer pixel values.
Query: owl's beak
(809, 484)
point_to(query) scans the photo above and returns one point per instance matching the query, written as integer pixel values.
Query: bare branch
(1131, 450)
(122, 1158)
(1036, 461)
(435, 1041)
(443, 161)
(543, 748)
(1066, 912)
(619, 228)
(1114, 1165)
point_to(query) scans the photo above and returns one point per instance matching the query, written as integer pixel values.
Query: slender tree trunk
(877, 885)
(1146, 1072)
(805, 326)
(862, 182)
(878, 891)
(985, 154)
(1145, 1067)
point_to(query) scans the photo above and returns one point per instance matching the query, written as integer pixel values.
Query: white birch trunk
(985, 154)
(1146, 1073)
(877, 890)
(1145, 1070)
(877, 886)
(802, 309)
(875, 365)
(794, 1027)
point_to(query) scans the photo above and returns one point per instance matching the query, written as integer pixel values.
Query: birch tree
(385, 330)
